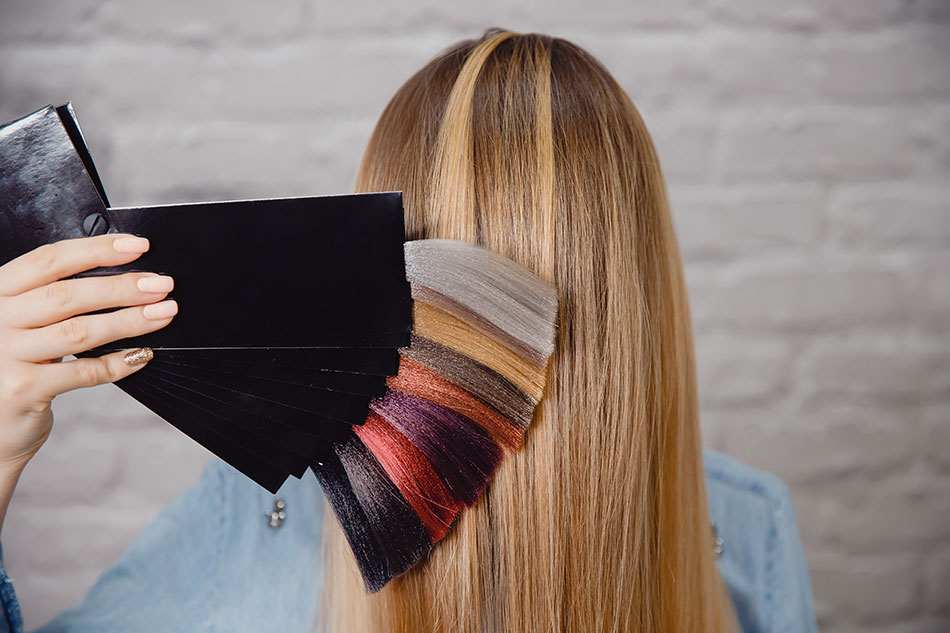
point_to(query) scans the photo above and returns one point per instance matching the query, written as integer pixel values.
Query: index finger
(51, 262)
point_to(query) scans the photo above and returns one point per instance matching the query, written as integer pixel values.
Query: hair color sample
(353, 520)
(418, 380)
(402, 537)
(475, 378)
(439, 300)
(442, 327)
(461, 452)
(500, 291)
(412, 473)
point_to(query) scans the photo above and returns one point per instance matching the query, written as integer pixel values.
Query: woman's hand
(39, 326)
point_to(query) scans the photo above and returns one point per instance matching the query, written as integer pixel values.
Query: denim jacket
(210, 561)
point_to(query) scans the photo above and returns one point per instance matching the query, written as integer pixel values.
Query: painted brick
(828, 145)
(740, 369)
(47, 21)
(901, 217)
(872, 588)
(814, 14)
(716, 223)
(875, 68)
(800, 295)
(203, 23)
(806, 150)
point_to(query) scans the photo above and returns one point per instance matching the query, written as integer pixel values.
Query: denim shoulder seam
(774, 493)
(758, 482)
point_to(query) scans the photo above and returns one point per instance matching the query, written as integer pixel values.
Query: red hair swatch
(412, 474)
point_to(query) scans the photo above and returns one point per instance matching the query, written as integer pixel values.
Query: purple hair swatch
(459, 450)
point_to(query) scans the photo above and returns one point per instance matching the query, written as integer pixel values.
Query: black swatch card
(325, 271)
(291, 310)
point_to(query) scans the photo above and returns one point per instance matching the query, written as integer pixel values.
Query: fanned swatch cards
(291, 310)
(312, 336)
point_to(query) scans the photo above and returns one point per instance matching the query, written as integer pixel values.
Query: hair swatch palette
(435, 437)
(312, 336)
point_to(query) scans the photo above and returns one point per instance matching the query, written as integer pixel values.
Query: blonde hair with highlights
(525, 144)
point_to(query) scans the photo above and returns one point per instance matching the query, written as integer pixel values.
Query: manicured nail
(130, 244)
(157, 283)
(160, 310)
(139, 356)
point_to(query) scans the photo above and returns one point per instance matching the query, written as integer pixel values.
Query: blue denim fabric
(762, 561)
(210, 562)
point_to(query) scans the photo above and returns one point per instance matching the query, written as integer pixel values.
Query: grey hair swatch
(500, 291)
(439, 300)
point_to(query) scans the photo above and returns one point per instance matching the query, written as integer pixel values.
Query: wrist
(10, 471)
(11, 468)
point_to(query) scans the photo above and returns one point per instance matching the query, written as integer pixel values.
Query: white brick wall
(807, 146)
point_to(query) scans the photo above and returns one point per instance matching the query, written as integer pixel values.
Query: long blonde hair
(525, 144)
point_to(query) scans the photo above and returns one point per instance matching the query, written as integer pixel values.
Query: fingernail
(157, 283)
(139, 356)
(130, 244)
(160, 310)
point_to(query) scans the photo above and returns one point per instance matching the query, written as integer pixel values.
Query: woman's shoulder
(761, 558)
(273, 566)
(212, 560)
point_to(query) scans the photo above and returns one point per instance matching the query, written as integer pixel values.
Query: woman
(526, 145)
